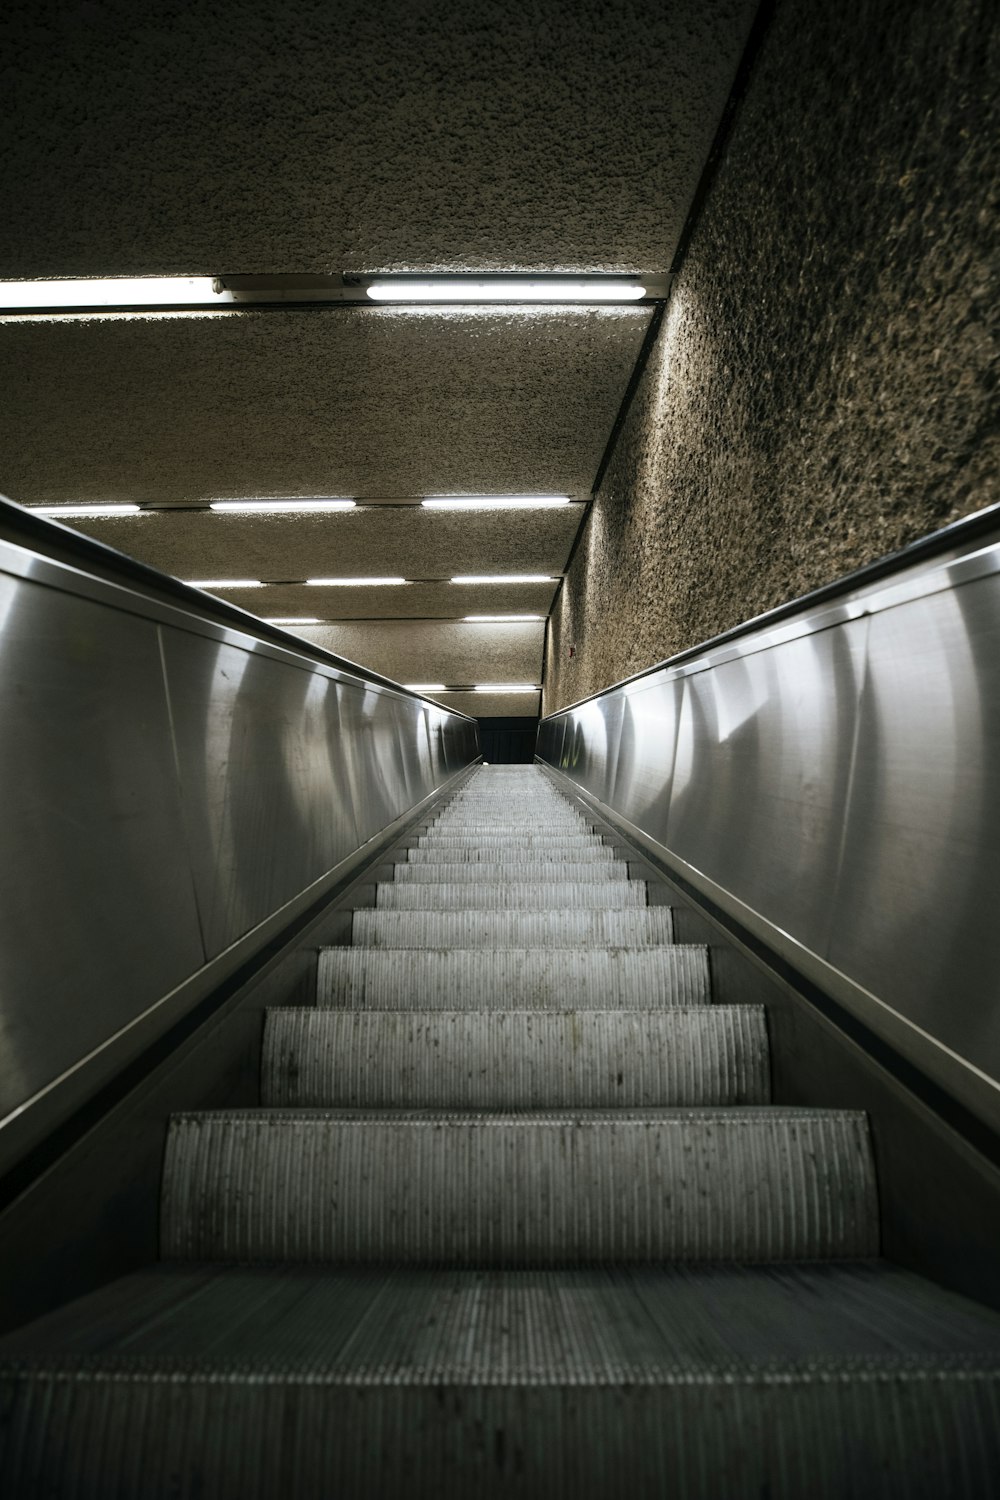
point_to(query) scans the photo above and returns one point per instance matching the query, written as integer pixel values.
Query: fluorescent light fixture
(500, 619)
(279, 507)
(507, 289)
(502, 578)
(425, 687)
(506, 687)
(291, 620)
(353, 583)
(223, 583)
(86, 510)
(112, 291)
(494, 502)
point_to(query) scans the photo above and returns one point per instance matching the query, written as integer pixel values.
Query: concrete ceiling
(564, 135)
(409, 542)
(316, 136)
(343, 402)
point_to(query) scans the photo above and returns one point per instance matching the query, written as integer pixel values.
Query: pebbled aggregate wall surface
(823, 387)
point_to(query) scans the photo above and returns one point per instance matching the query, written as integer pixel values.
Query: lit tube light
(112, 292)
(86, 510)
(500, 619)
(503, 578)
(425, 687)
(506, 687)
(354, 583)
(279, 507)
(223, 583)
(507, 289)
(291, 620)
(494, 502)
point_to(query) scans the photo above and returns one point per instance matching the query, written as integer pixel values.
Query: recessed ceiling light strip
(290, 506)
(354, 583)
(495, 502)
(85, 510)
(224, 583)
(560, 289)
(503, 578)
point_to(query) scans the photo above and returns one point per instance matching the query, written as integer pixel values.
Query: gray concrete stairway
(516, 1217)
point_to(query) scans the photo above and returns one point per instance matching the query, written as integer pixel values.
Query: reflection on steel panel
(835, 780)
(260, 757)
(920, 882)
(170, 785)
(97, 913)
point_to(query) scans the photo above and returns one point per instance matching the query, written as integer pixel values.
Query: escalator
(518, 1215)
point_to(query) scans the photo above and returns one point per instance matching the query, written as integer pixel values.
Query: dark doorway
(508, 741)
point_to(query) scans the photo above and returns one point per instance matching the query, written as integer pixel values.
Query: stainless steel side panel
(835, 782)
(168, 787)
(97, 910)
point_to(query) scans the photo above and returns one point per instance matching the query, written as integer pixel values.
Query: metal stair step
(563, 851)
(526, 978)
(758, 1184)
(496, 1059)
(575, 1384)
(598, 871)
(636, 927)
(511, 896)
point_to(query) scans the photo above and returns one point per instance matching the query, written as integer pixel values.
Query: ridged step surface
(507, 1060)
(562, 1187)
(529, 978)
(532, 839)
(599, 871)
(558, 852)
(708, 1383)
(474, 895)
(648, 927)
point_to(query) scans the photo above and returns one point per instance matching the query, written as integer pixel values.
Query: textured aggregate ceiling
(437, 651)
(417, 601)
(345, 402)
(181, 138)
(562, 135)
(410, 543)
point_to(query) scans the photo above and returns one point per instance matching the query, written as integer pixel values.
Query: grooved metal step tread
(529, 978)
(888, 1432)
(556, 853)
(505, 842)
(578, 1325)
(645, 927)
(511, 829)
(514, 895)
(761, 1184)
(596, 872)
(713, 1055)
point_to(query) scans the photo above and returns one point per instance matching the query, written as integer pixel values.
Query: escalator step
(527, 978)
(518, 895)
(562, 1187)
(646, 927)
(558, 852)
(596, 872)
(713, 1055)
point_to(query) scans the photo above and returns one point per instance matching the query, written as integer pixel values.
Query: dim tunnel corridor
(499, 708)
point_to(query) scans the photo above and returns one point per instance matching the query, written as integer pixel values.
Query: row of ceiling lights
(352, 583)
(308, 506)
(117, 293)
(479, 687)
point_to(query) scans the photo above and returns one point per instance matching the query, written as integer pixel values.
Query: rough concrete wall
(822, 389)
